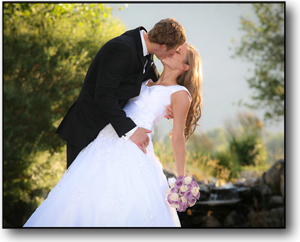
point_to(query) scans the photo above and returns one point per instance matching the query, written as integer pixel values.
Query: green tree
(263, 44)
(245, 140)
(47, 51)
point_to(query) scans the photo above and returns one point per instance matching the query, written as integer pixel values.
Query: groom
(114, 76)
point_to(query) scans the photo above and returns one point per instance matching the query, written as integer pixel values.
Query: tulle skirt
(111, 183)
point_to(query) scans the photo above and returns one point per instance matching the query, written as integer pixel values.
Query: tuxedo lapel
(139, 46)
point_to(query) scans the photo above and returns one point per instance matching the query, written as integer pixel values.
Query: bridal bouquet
(183, 193)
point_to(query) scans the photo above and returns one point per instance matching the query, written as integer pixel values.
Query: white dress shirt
(145, 52)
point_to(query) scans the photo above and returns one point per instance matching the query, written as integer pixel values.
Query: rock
(282, 184)
(276, 201)
(203, 188)
(248, 202)
(235, 220)
(266, 190)
(257, 219)
(210, 222)
(273, 176)
(279, 212)
(275, 217)
(222, 203)
(222, 193)
(239, 182)
(204, 192)
(273, 222)
(252, 182)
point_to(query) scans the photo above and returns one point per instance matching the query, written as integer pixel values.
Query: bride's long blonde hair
(192, 80)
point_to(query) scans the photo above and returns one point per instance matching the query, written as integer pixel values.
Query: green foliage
(229, 161)
(28, 189)
(275, 146)
(204, 167)
(47, 51)
(200, 142)
(263, 44)
(218, 138)
(245, 139)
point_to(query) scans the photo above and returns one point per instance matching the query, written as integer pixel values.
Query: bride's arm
(180, 105)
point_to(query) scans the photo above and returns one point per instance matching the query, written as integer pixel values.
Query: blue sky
(210, 28)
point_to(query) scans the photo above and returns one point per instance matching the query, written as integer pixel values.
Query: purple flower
(194, 183)
(190, 186)
(182, 206)
(174, 189)
(179, 183)
(180, 209)
(176, 205)
(186, 205)
(169, 199)
(188, 194)
(180, 193)
(192, 201)
(180, 177)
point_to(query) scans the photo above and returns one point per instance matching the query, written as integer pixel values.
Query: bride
(112, 183)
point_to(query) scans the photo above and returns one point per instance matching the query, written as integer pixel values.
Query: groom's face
(162, 52)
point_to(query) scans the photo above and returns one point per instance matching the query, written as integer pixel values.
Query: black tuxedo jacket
(114, 76)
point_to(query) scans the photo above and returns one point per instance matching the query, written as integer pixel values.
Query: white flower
(195, 191)
(183, 199)
(168, 191)
(184, 188)
(192, 204)
(187, 180)
(174, 197)
(172, 181)
(175, 205)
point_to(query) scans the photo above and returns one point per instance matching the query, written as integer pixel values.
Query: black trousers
(72, 152)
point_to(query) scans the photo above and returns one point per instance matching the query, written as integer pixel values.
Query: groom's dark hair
(167, 32)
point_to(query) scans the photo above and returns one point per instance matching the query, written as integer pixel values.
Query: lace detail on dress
(142, 114)
(109, 215)
(102, 147)
(75, 195)
(150, 219)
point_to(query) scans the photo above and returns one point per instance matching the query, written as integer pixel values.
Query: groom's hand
(140, 138)
(169, 112)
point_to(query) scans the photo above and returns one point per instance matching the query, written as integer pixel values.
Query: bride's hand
(169, 112)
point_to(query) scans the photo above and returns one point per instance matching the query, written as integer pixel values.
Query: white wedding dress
(112, 183)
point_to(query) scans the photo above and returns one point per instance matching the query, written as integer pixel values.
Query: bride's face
(177, 60)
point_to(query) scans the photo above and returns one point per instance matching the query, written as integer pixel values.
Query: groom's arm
(114, 61)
